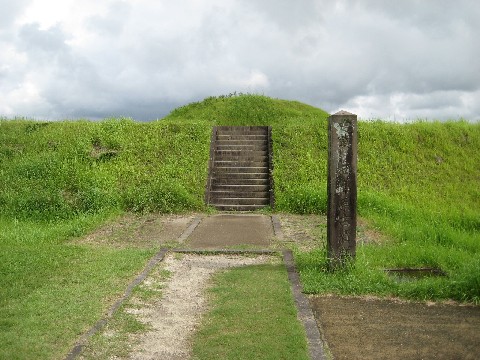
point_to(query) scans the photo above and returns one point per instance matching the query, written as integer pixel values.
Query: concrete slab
(228, 230)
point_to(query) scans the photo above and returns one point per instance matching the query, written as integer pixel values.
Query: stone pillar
(342, 189)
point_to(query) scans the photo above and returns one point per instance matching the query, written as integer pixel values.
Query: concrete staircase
(240, 168)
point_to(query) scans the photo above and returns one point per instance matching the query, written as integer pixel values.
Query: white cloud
(254, 81)
(452, 105)
(408, 59)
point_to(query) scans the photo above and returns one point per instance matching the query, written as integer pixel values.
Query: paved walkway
(226, 231)
(251, 232)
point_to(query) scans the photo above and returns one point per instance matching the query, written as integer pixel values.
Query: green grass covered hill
(419, 184)
(57, 170)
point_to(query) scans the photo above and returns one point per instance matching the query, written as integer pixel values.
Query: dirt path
(174, 317)
(169, 304)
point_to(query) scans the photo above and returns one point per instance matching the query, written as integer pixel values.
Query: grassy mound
(59, 170)
(417, 183)
(299, 143)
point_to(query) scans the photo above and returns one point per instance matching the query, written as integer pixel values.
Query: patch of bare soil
(370, 328)
(304, 231)
(308, 232)
(367, 234)
(173, 318)
(142, 231)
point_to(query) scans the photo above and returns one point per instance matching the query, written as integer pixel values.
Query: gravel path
(175, 316)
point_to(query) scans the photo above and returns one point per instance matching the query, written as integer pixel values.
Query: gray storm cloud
(398, 60)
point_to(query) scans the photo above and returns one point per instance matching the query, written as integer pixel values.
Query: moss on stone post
(342, 189)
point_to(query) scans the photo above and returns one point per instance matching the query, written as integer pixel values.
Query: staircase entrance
(240, 168)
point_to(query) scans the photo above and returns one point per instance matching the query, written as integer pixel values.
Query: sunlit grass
(50, 291)
(252, 316)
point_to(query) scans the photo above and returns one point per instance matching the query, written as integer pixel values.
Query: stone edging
(77, 349)
(316, 347)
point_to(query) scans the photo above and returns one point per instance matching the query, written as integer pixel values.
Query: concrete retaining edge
(316, 347)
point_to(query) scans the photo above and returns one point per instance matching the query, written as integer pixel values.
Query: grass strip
(52, 291)
(252, 316)
(119, 303)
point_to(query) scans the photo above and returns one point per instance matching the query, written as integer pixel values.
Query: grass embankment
(254, 319)
(418, 184)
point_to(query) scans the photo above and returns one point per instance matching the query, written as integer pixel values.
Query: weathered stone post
(342, 189)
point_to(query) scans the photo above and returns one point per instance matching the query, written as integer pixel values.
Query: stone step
(218, 194)
(241, 142)
(240, 169)
(241, 137)
(242, 201)
(241, 157)
(241, 153)
(240, 163)
(242, 130)
(222, 207)
(241, 188)
(236, 182)
(244, 147)
(241, 175)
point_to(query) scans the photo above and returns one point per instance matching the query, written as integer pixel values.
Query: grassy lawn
(50, 291)
(418, 185)
(252, 316)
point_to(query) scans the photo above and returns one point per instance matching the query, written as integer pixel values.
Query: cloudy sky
(397, 60)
